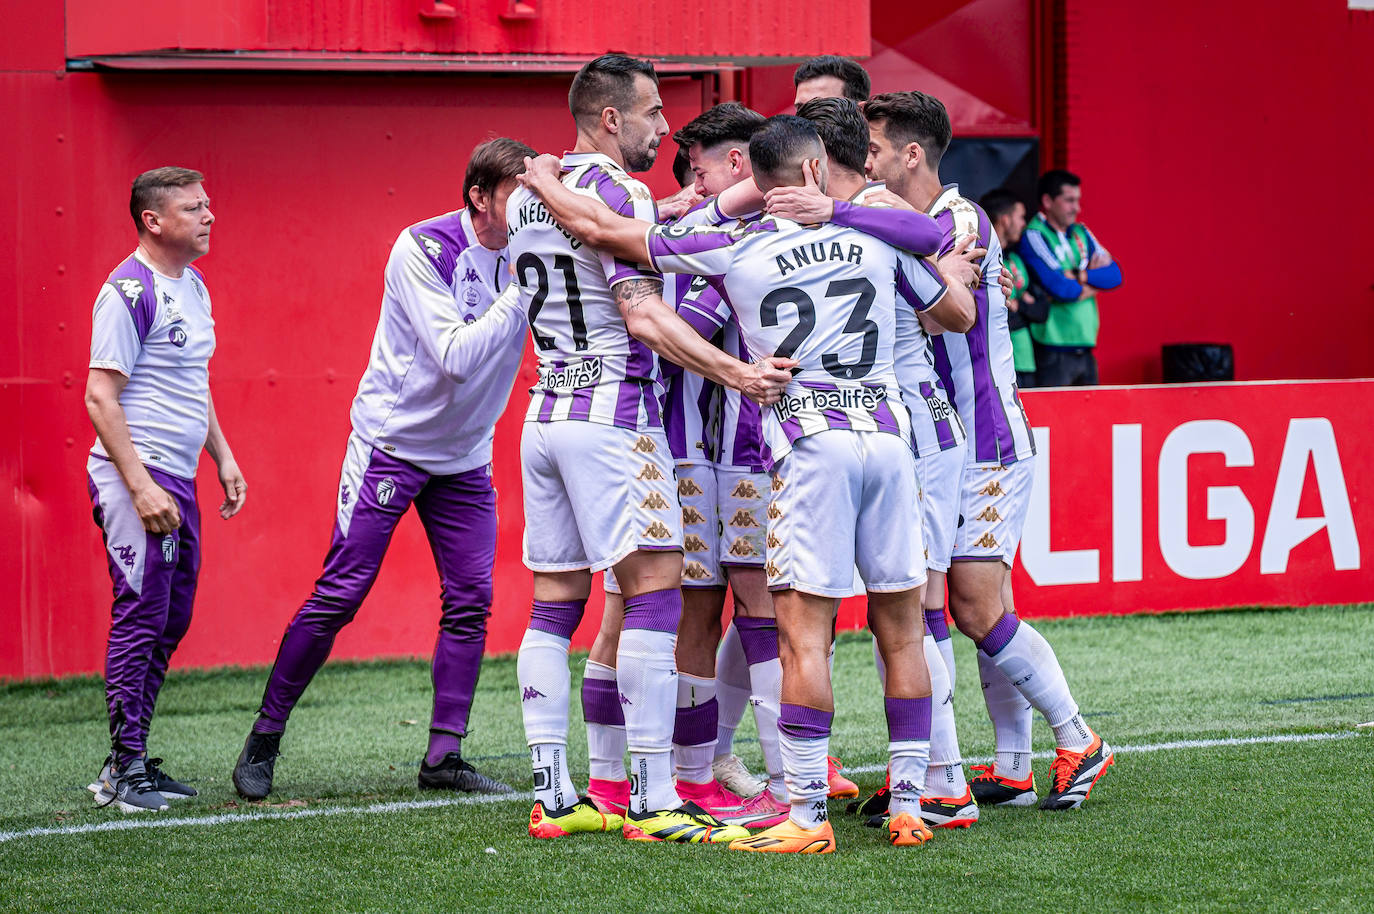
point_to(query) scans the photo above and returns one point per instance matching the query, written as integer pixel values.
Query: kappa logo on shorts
(693, 543)
(772, 570)
(774, 512)
(645, 445)
(658, 530)
(127, 555)
(744, 518)
(688, 486)
(990, 514)
(778, 483)
(690, 515)
(773, 541)
(987, 542)
(655, 502)
(385, 489)
(169, 549)
(993, 489)
(745, 488)
(650, 472)
(695, 571)
(344, 495)
(742, 548)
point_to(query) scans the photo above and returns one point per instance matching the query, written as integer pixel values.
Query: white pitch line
(1166, 747)
(152, 821)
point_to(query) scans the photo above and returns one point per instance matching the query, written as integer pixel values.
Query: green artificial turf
(1256, 827)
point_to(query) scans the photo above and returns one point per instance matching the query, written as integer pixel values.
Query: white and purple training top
(590, 367)
(976, 367)
(822, 295)
(438, 279)
(157, 331)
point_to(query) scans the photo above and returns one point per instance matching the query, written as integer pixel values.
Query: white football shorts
(993, 510)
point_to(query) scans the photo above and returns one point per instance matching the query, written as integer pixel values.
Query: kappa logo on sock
(531, 693)
(695, 571)
(903, 785)
(624, 700)
(988, 541)
(691, 515)
(817, 785)
(688, 486)
(744, 518)
(385, 489)
(694, 543)
(655, 502)
(990, 515)
(650, 472)
(645, 445)
(169, 549)
(127, 555)
(746, 489)
(742, 548)
(658, 530)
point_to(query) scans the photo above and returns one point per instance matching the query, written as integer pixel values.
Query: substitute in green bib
(1026, 305)
(1073, 267)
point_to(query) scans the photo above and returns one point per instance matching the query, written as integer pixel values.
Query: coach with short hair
(148, 396)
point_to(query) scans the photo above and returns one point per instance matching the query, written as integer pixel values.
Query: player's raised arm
(942, 301)
(807, 204)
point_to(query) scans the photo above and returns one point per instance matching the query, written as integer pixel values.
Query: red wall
(1227, 157)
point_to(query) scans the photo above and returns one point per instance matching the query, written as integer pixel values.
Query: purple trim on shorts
(559, 618)
(907, 718)
(601, 702)
(657, 611)
(696, 726)
(801, 722)
(999, 635)
(937, 623)
(758, 638)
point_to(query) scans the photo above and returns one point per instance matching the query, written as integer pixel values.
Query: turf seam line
(485, 799)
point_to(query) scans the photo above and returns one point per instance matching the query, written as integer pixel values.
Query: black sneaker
(253, 773)
(874, 809)
(168, 786)
(452, 773)
(131, 789)
(1073, 774)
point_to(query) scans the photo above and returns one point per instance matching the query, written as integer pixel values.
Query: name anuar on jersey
(817, 252)
(586, 373)
(534, 213)
(848, 398)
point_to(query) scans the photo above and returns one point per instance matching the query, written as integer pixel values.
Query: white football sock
(647, 673)
(807, 784)
(732, 690)
(605, 742)
(767, 698)
(1011, 717)
(1029, 662)
(907, 762)
(945, 774)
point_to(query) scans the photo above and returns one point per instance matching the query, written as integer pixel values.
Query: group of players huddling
(796, 368)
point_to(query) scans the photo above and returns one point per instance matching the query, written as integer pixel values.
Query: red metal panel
(33, 36)
(311, 180)
(717, 29)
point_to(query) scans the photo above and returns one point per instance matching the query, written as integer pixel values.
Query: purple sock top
(907, 718)
(758, 637)
(1000, 634)
(601, 702)
(696, 726)
(441, 743)
(657, 610)
(557, 617)
(937, 624)
(801, 722)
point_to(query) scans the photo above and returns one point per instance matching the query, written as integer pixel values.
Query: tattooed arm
(650, 320)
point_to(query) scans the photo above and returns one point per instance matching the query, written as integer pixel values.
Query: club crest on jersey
(742, 548)
(131, 288)
(694, 543)
(987, 542)
(990, 514)
(746, 489)
(744, 518)
(688, 486)
(471, 297)
(385, 489)
(691, 515)
(645, 445)
(695, 571)
(655, 502)
(774, 512)
(650, 472)
(658, 531)
(993, 489)
(169, 549)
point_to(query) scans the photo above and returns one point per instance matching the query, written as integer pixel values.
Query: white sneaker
(734, 777)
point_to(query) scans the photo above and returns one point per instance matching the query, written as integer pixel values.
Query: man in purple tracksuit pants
(148, 396)
(444, 357)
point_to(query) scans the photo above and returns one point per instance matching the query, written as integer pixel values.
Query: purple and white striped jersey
(934, 423)
(439, 277)
(822, 295)
(976, 367)
(157, 331)
(590, 367)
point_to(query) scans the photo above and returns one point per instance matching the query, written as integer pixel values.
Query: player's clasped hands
(544, 165)
(805, 205)
(766, 379)
(962, 264)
